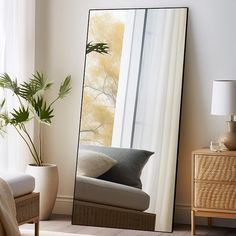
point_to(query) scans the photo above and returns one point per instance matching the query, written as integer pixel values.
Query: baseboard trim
(63, 205)
(183, 216)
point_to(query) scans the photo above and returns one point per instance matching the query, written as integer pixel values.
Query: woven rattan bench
(27, 210)
(92, 214)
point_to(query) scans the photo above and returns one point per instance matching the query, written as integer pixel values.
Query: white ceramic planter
(46, 183)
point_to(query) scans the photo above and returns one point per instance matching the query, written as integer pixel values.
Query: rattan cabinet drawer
(215, 167)
(212, 195)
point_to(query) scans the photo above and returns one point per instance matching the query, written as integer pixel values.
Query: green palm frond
(2, 131)
(2, 127)
(27, 91)
(35, 85)
(5, 119)
(43, 111)
(8, 83)
(101, 48)
(2, 104)
(19, 116)
(40, 82)
(65, 87)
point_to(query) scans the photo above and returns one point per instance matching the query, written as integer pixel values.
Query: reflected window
(102, 78)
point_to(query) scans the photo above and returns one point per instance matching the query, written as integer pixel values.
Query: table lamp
(224, 104)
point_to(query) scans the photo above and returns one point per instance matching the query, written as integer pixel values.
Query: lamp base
(229, 138)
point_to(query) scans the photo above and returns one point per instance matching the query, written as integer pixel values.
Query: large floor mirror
(130, 118)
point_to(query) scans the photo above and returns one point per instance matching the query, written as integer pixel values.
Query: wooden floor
(63, 224)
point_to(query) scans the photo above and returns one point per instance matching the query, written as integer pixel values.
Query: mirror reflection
(129, 128)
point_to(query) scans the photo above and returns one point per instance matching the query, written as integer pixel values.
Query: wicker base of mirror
(92, 214)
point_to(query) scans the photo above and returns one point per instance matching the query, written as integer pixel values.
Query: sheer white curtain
(156, 124)
(128, 78)
(17, 49)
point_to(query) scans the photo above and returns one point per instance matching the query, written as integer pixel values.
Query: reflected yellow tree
(101, 80)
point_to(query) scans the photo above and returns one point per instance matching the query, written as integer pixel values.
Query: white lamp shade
(224, 97)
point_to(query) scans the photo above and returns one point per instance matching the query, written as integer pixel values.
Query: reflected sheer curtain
(156, 123)
(17, 50)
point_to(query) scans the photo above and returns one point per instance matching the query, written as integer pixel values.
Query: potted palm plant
(33, 106)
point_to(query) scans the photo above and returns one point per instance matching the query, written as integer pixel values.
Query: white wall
(211, 49)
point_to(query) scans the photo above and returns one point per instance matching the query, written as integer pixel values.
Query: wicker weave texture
(218, 168)
(27, 208)
(106, 216)
(215, 195)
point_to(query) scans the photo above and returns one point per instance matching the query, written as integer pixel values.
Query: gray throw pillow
(130, 163)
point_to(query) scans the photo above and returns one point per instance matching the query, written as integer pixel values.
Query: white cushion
(94, 164)
(20, 184)
(109, 193)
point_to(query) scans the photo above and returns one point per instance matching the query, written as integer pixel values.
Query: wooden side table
(213, 185)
